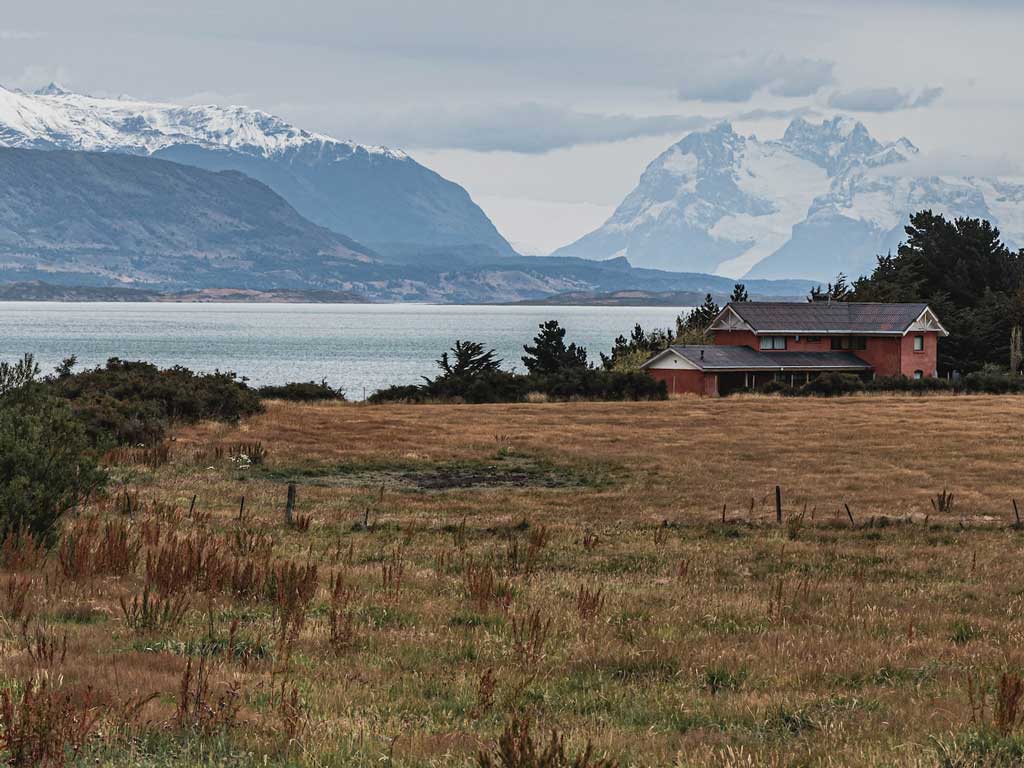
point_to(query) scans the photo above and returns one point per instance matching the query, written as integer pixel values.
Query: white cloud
(738, 79)
(884, 99)
(526, 128)
(775, 114)
(9, 35)
(945, 163)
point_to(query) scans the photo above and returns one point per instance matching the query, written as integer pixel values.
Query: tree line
(471, 372)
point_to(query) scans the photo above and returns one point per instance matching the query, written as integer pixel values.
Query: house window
(919, 343)
(773, 342)
(918, 374)
(849, 342)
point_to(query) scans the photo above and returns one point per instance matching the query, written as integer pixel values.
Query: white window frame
(919, 343)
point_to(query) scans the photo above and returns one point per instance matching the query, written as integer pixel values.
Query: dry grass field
(612, 571)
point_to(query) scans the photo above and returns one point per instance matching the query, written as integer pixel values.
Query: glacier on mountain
(823, 199)
(378, 196)
(53, 117)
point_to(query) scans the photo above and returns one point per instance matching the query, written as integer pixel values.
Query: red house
(756, 342)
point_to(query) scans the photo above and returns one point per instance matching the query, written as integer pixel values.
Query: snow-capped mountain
(823, 199)
(378, 196)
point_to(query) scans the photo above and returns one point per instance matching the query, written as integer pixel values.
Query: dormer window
(773, 342)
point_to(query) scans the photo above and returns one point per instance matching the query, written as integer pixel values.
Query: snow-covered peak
(52, 89)
(826, 197)
(54, 117)
(834, 144)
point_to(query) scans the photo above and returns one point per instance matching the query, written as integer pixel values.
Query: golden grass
(592, 586)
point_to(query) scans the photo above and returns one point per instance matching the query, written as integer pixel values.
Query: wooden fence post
(778, 504)
(289, 510)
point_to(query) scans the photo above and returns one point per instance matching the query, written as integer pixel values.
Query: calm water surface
(355, 346)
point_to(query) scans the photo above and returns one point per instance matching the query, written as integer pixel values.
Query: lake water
(361, 347)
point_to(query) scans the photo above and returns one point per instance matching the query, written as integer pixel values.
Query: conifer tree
(549, 353)
(468, 359)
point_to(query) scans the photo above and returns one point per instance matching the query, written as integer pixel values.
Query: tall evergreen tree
(628, 353)
(838, 291)
(692, 329)
(467, 359)
(739, 293)
(964, 271)
(549, 353)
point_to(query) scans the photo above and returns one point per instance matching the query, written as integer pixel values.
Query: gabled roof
(824, 317)
(728, 358)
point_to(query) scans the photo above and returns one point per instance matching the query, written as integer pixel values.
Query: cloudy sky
(548, 110)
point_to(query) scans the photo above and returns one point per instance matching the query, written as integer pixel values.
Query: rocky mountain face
(378, 196)
(114, 219)
(823, 199)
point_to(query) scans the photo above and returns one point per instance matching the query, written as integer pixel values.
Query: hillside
(823, 199)
(108, 219)
(378, 196)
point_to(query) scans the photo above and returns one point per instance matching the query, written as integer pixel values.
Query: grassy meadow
(611, 571)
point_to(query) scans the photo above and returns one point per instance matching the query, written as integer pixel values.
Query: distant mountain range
(377, 196)
(826, 198)
(128, 200)
(74, 219)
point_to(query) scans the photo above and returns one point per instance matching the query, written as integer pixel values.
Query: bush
(47, 463)
(399, 393)
(907, 384)
(302, 392)
(993, 380)
(505, 387)
(776, 387)
(135, 402)
(596, 384)
(832, 384)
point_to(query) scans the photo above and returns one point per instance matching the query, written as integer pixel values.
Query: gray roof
(727, 358)
(827, 316)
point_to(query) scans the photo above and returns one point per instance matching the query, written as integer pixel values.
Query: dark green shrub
(494, 386)
(907, 384)
(597, 384)
(505, 387)
(776, 387)
(301, 391)
(47, 463)
(993, 380)
(399, 393)
(832, 384)
(135, 402)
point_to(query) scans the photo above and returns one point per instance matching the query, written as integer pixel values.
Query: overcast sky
(547, 111)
